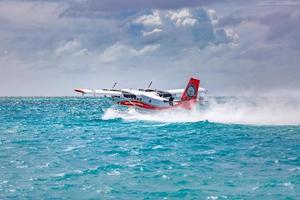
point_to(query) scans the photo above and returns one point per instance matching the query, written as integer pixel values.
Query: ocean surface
(84, 148)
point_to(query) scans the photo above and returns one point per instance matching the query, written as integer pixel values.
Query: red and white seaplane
(152, 99)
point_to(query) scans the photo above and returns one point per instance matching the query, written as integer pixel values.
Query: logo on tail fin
(191, 92)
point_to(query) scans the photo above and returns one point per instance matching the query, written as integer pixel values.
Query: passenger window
(150, 101)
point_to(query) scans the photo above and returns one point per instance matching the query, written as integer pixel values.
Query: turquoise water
(79, 148)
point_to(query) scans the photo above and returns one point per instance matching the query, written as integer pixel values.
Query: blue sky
(234, 47)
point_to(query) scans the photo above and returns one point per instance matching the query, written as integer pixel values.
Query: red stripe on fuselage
(182, 104)
(141, 104)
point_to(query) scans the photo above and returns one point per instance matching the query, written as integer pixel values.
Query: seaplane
(152, 99)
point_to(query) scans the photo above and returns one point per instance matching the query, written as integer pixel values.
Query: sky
(235, 47)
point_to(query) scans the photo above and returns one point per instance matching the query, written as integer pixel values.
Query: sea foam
(232, 110)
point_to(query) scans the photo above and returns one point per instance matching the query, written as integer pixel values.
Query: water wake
(233, 110)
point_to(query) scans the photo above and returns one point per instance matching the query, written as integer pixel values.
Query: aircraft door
(171, 103)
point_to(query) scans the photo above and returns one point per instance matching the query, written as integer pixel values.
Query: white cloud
(212, 14)
(182, 17)
(149, 20)
(70, 47)
(146, 49)
(233, 35)
(118, 51)
(156, 30)
(186, 28)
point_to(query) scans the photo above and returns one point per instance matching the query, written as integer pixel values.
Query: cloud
(212, 14)
(120, 51)
(53, 46)
(224, 36)
(30, 13)
(156, 30)
(182, 18)
(70, 47)
(149, 20)
(95, 8)
(283, 28)
(107, 47)
(183, 28)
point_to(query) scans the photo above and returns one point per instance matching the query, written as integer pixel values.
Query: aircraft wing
(176, 92)
(101, 93)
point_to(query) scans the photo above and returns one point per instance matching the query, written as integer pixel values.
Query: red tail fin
(191, 90)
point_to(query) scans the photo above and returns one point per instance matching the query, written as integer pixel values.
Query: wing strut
(115, 83)
(149, 85)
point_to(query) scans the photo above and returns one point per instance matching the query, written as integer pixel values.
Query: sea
(86, 148)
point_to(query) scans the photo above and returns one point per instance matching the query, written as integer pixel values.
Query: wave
(232, 110)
